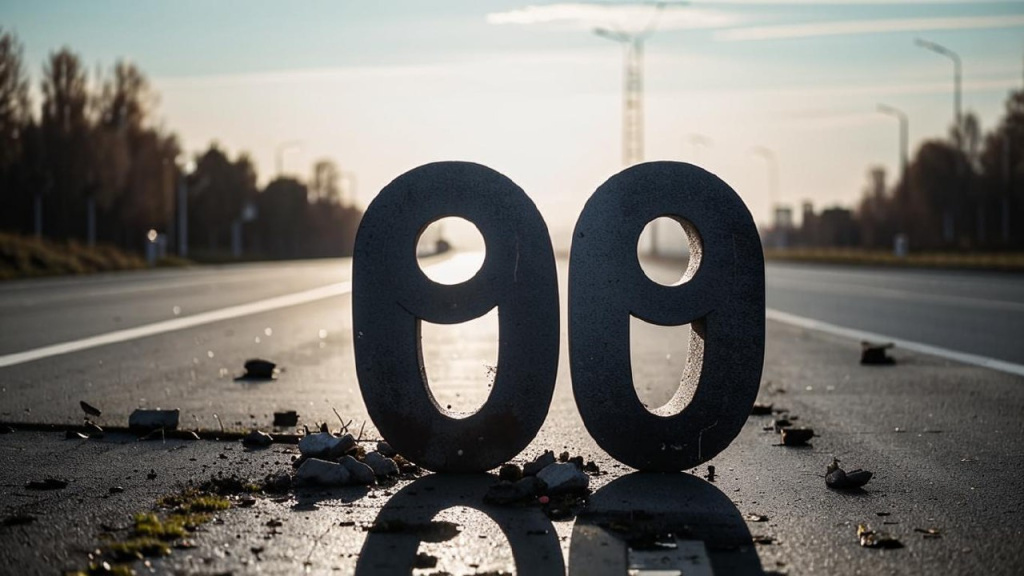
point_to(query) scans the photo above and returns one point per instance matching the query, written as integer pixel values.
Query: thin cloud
(624, 16)
(851, 27)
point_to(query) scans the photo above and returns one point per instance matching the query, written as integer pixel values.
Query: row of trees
(91, 164)
(963, 193)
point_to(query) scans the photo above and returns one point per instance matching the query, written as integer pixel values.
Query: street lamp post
(947, 223)
(957, 75)
(904, 124)
(190, 167)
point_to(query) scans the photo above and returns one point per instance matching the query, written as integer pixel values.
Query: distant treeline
(91, 164)
(964, 193)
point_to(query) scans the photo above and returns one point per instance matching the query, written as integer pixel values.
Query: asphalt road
(974, 312)
(942, 438)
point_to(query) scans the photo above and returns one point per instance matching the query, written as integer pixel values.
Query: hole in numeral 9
(446, 234)
(666, 248)
(658, 356)
(460, 362)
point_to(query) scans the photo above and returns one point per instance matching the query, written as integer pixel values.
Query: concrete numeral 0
(722, 298)
(391, 295)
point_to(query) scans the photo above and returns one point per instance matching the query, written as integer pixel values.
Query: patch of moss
(138, 548)
(193, 500)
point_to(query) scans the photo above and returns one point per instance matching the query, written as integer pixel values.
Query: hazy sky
(528, 89)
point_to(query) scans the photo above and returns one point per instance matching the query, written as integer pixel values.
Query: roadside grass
(27, 257)
(998, 261)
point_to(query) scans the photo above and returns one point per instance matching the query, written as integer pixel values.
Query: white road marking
(964, 357)
(442, 269)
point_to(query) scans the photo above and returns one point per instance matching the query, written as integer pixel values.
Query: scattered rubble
(325, 445)
(539, 463)
(147, 421)
(796, 436)
(322, 472)
(756, 518)
(563, 478)
(876, 539)
(257, 438)
(760, 409)
(838, 479)
(89, 409)
(929, 532)
(286, 419)
(259, 369)
(523, 490)
(875, 354)
(386, 450)
(510, 472)
(382, 466)
(93, 430)
(359, 473)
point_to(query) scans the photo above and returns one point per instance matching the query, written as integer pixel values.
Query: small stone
(512, 492)
(796, 436)
(359, 473)
(260, 369)
(404, 466)
(577, 461)
(146, 421)
(286, 419)
(386, 450)
(876, 539)
(325, 445)
(74, 435)
(151, 475)
(510, 473)
(875, 354)
(761, 409)
(116, 489)
(591, 467)
(322, 472)
(540, 463)
(779, 423)
(257, 438)
(89, 409)
(711, 474)
(93, 430)
(563, 478)
(246, 501)
(839, 479)
(380, 465)
(563, 457)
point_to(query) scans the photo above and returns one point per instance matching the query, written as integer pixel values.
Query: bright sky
(528, 89)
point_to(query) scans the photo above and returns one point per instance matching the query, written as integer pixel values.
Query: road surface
(942, 438)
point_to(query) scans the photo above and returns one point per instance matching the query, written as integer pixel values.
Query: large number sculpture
(721, 296)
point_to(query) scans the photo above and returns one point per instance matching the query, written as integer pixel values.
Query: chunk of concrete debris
(259, 369)
(876, 539)
(257, 438)
(145, 421)
(563, 478)
(875, 354)
(381, 465)
(323, 473)
(510, 472)
(286, 419)
(525, 489)
(359, 473)
(541, 462)
(89, 409)
(93, 430)
(385, 449)
(326, 445)
(839, 479)
(796, 436)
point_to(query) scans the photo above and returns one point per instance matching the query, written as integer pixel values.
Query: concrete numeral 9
(722, 298)
(391, 296)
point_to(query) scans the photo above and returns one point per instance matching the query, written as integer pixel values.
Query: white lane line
(444, 269)
(964, 357)
(177, 324)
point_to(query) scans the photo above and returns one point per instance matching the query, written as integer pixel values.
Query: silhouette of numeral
(391, 296)
(722, 299)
